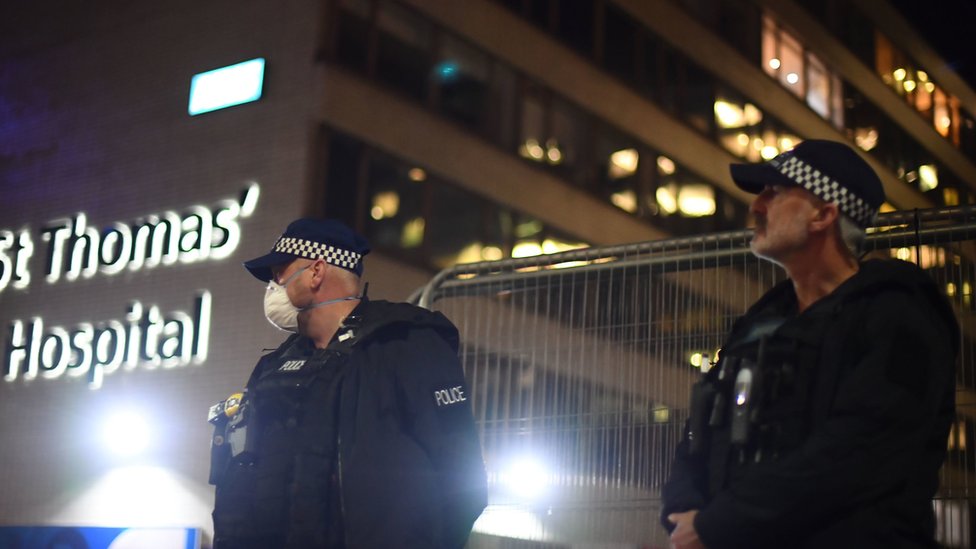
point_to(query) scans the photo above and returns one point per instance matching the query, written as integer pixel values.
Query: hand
(684, 535)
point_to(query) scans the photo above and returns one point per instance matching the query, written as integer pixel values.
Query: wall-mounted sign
(226, 86)
(144, 335)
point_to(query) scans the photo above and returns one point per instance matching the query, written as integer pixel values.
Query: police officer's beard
(777, 243)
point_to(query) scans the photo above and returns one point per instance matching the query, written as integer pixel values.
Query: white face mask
(279, 309)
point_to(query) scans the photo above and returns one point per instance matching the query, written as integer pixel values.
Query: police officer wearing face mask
(357, 431)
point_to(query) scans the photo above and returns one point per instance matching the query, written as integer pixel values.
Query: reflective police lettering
(292, 366)
(444, 397)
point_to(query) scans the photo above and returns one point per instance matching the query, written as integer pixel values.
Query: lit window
(526, 248)
(928, 177)
(667, 198)
(753, 114)
(553, 155)
(417, 174)
(941, 112)
(625, 200)
(553, 246)
(528, 228)
(661, 414)
(728, 115)
(385, 204)
(532, 150)
(866, 138)
(413, 233)
(818, 86)
(696, 200)
(623, 163)
(491, 253)
(950, 196)
(665, 165)
(769, 152)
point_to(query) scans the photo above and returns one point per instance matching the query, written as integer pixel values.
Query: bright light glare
(226, 86)
(510, 523)
(126, 434)
(525, 477)
(138, 497)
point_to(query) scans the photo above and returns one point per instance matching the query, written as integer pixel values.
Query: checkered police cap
(325, 239)
(831, 171)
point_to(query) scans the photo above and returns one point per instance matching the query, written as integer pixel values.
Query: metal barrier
(580, 365)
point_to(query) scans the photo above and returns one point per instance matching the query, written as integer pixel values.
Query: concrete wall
(93, 121)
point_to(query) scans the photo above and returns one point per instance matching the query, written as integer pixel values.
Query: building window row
(898, 70)
(782, 55)
(916, 87)
(802, 72)
(423, 219)
(405, 52)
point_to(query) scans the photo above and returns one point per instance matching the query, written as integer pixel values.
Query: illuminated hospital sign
(226, 87)
(144, 336)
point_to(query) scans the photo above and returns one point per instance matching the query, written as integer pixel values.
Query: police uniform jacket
(848, 419)
(368, 443)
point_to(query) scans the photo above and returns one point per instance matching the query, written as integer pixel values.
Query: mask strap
(336, 300)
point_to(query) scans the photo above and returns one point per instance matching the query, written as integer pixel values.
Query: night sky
(949, 26)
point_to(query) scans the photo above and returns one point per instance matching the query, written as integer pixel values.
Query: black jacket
(852, 420)
(380, 451)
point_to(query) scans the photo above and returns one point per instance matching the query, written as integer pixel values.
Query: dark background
(949, 26)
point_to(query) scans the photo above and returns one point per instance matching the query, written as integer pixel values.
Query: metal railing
(580, 366)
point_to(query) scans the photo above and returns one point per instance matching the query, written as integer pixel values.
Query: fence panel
(581, 363)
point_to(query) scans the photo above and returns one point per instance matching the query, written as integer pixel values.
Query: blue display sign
(91, 537)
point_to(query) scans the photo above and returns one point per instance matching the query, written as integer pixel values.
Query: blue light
(447, 70)
(226, 86)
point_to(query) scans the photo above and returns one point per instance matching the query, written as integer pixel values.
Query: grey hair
(852, 235)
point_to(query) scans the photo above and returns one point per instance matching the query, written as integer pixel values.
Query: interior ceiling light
(728, 115)
(928, 177)
(623, 163)
(696, 200)
(665, 165)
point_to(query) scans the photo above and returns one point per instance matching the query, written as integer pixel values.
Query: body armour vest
(277, 483)
(755, 404)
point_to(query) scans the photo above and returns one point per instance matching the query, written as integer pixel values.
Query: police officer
(824, 423)
(355, 432)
